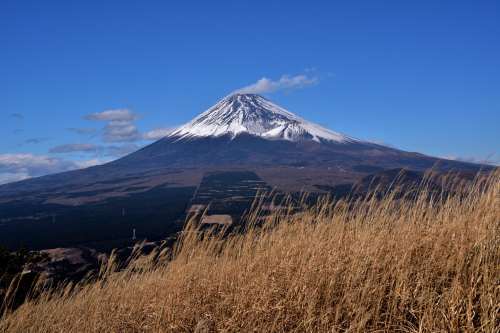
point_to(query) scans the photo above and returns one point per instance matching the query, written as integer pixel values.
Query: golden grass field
(389, 265)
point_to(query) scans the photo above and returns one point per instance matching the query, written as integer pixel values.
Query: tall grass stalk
(420, 264)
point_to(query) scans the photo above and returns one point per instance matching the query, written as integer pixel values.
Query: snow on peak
(255, 115)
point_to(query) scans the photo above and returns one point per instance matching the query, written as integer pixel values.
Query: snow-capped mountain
(249, 132)
(253, 114)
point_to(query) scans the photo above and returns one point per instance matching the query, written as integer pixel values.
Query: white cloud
(14, 162)
(22, 166)
(8, 177)
(112, 115)
(157, 133)
(120, 125)
(15, 167)
(121, 131)
(286, 82)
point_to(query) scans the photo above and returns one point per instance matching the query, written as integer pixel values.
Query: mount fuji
(248, 130)
(220, 159)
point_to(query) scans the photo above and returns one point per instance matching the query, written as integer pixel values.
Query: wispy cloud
(113, 115)
(90, 163)
(119, 151)
(491, 159)
(157, 133)
(120, 126)
(17, 115)
(35, 141)
(82, 130)
(286, 82)
(383, 143)
(96, 151)
(74, 148)
(121, 131)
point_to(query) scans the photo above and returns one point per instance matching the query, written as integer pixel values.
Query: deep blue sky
(420, 75)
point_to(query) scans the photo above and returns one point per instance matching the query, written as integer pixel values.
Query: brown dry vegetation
(374, 265)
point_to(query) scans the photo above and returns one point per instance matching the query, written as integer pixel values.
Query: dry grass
(374, 265)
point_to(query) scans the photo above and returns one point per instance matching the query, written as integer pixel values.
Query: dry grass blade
(424, 264)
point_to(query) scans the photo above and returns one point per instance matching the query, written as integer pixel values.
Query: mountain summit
(253, 114)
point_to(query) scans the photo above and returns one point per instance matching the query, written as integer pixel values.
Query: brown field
(422, 265)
